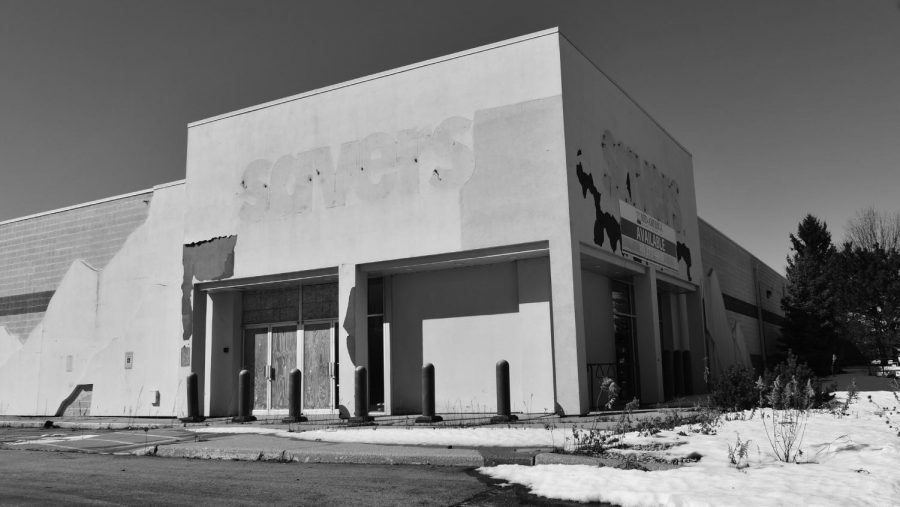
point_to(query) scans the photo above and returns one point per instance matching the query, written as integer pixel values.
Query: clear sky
(788, 107)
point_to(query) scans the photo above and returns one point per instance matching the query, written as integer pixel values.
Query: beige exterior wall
(747, 286)
(629, 158)
(615, 152)
(453, 155)
(98, 317)
(465, 320)
(483, 186)
(460, 153)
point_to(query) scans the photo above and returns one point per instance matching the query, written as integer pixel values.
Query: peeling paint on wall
(684, 254)
(644, 187)
(208, 260)
(604, 222)
(185, 356)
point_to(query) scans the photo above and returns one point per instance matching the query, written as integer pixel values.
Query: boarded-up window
(320, 301)
(273, 305)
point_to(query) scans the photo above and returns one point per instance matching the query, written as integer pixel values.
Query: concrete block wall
(735, 269)
(100, 284)
(36, 252)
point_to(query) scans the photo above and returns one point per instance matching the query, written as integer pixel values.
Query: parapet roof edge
(371, 77)
(627, 95)
(755, 258)
(91, 203)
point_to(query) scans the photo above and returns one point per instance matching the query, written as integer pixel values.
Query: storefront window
(320, 301)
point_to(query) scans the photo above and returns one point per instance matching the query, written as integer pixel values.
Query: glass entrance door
(270, 353)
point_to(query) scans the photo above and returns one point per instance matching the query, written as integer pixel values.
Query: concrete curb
(84, 425)
(393, 456)
(552, 458)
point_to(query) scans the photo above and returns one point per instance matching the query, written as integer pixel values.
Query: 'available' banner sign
(646, 237)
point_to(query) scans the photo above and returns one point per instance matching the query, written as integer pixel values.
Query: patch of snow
(847, 460)
(851, 460)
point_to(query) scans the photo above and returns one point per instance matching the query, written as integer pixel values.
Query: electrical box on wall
(129, 360)
(154, 398)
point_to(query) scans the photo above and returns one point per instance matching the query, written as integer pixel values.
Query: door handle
(271, 373)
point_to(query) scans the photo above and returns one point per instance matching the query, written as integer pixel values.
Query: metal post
(362, 398)
(245, 398)
(503, 410)
(428, 396)
(193, 400)
(295, 397)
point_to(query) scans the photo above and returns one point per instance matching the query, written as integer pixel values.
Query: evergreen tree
(870, 298)
(811, 328)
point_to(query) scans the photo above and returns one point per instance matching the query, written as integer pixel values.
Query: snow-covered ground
(846, 460)
(850, 460)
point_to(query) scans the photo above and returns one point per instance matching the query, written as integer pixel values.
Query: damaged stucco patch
(212, 259)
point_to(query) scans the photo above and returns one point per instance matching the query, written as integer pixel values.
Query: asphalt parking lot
(91, 441)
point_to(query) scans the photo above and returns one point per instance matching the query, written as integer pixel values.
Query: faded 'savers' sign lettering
(647, 238)
(411, 161)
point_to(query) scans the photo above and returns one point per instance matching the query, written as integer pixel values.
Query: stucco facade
(507, 202)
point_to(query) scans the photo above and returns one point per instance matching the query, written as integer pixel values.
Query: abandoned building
(506, 202)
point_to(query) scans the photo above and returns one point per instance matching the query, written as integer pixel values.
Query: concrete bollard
(428, 396)
(503, 410)
(362, 398)
(295, 398)
(193, 400)
(245, 398)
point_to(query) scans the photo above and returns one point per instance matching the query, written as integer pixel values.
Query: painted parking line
(105, 442)
(53, 439)
(165, 436)
(112, 441)
(65, 447)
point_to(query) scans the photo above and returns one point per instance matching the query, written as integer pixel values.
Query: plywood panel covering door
(284, 359)
(270, 353)
(256, 360)
(317, 366)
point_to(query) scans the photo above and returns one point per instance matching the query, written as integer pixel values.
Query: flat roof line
(625, 93)
(372, 77)
(91, 203)
(755, 258)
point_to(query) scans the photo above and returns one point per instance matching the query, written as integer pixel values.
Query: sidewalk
(271, 440)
